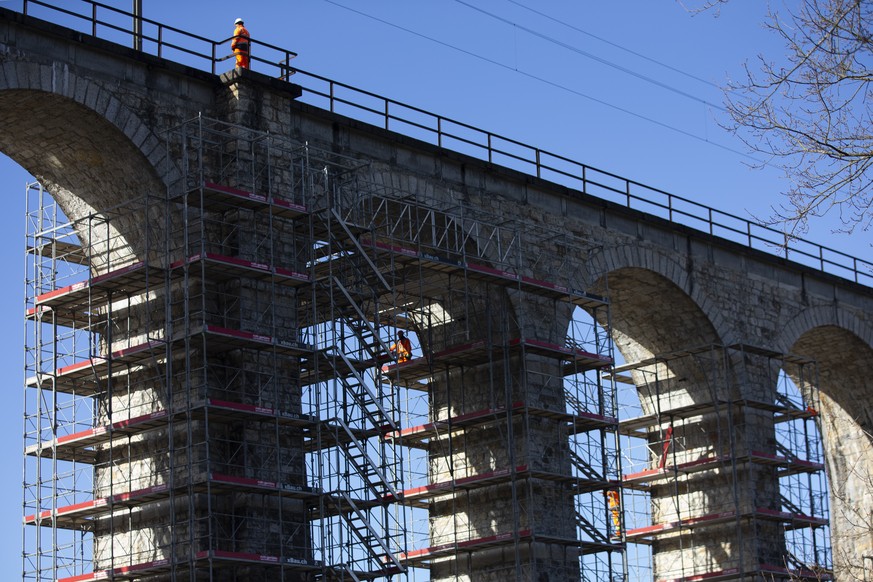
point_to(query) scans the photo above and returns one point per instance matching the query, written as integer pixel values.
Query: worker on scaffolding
(613, 498)
(401, 350)
(240, 44)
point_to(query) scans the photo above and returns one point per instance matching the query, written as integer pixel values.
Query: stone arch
(85, 146)
(842, 347)
(670, 267)
(652, 315)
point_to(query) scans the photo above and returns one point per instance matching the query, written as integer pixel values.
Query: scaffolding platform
(414, 435)
(791, 521)
(201, 560)
(670, 471)
(84, 303)
(471, 545)
(414, 370)
(217, 197)
(223, 267)
(475, 271)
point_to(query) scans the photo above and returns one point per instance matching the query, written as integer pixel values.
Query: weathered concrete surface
(85, 118)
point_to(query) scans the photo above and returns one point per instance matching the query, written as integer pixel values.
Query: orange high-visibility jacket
(403, 349)
(240, 40)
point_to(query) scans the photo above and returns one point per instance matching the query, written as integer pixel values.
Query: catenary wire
(593, 57)
(548, 82)
(616, 45)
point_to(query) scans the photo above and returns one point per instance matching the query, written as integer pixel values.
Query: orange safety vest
(614, 509)
(240, 40)
(403, 348)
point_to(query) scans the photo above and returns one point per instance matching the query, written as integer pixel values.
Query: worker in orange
(614, 499)
(402, 348)
(241, 44)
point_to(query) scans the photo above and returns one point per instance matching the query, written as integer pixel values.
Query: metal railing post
(137, 24)
(331, 97)
(93, 19)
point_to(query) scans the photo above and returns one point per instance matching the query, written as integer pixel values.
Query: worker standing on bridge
(241, 44)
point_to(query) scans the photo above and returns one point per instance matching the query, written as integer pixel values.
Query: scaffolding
(726, 480)
(211, 393)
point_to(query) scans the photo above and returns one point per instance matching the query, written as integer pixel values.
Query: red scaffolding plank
(415, 495)
(70, 378)
(72, 447)
(431, 429)
(478, 352)
(230, 267)
(798, 573)
(217, 195)
(694, 466)
(471, 545)
(671, 526)
(94, 292)
(792, 521)
(727, 574)
(77, 515)
(581, 359)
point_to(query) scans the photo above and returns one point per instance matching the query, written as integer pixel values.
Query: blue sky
(629, 87)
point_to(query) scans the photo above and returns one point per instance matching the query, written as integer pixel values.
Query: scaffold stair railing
(348, 571)
(362, 393)
(785, 401)
(364, 330)
(786, 452)
(583, 467)
(795, 563)
(368, 470)
(368, 535)
(791, 507)
(575, 404)
(593, 532)
(368, 336)
(358, 251)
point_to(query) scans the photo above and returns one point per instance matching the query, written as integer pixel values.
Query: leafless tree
(810, 112)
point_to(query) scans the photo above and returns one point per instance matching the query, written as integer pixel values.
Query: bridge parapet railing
(117, 25)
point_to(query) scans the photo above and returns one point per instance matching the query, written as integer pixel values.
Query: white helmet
(238, 21)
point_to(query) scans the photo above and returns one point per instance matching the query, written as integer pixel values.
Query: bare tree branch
(811, 113)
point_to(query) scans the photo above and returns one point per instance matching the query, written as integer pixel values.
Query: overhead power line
(591, 56)
(545, 81)
(616, 45)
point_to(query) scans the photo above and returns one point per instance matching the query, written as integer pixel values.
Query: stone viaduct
(89, 120)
